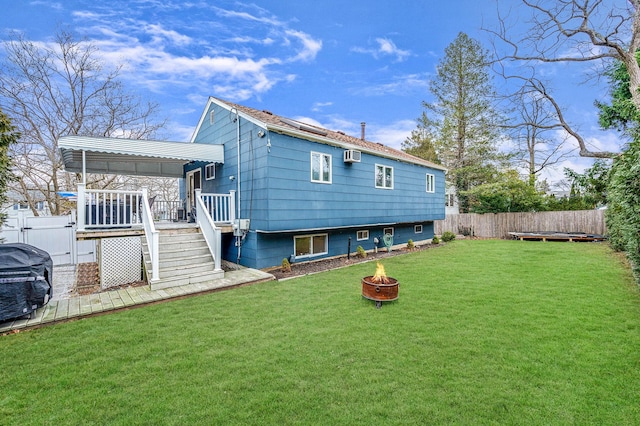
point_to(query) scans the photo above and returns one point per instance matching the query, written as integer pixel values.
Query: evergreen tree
(461, 121)
(421, 142)
(8, 136)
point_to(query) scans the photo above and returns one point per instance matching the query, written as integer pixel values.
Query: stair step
(191, 279)
(184, 258)
(184, 253)
(189, 260)
(187, 269)
(180, 238)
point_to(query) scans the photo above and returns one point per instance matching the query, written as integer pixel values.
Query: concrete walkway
(62, 307)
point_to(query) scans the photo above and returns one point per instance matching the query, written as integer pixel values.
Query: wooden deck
(91, 234)
(556, 236)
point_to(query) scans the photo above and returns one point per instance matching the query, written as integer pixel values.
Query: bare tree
(61, 88)
(575, 31)
(538, 134)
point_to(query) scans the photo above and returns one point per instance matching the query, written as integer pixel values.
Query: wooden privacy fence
(498, 225)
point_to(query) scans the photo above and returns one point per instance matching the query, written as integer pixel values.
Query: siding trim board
(330, 228)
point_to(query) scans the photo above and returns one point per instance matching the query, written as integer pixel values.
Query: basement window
(417, 229)
(363, 235)
(310, 245)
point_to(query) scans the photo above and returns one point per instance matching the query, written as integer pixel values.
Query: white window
(384, 177)
(386, 231)
(310, 245)
(363, 235)
(431, 183)
(212, 116)
(320, 167)
(210, 171)
(417, 229)
(449, 200)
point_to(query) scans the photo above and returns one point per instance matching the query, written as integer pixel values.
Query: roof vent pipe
(363, 124)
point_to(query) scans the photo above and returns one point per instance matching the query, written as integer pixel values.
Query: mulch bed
(305, 268)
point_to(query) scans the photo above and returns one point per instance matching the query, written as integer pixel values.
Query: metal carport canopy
(134, 156)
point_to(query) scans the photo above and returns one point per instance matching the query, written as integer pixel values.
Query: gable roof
(275, 123)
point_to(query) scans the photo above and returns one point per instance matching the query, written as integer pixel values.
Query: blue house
(257, 188)
(304, 192)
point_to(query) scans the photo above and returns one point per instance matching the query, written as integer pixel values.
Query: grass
(484, 332)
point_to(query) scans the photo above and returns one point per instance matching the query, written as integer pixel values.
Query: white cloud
(386, 47)
(392, 134)
(399, 85)
(310, 46)
(318, 106)
(161, 35)
(252, 52)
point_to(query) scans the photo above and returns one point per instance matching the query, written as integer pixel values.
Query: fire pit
(379, 287)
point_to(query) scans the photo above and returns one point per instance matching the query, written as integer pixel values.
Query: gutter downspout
(238, 196)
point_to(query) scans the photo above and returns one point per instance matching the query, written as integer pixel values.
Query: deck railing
(221, 207)
(112, 209)
(101, 208)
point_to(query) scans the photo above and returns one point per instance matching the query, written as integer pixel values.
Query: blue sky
(331, 63)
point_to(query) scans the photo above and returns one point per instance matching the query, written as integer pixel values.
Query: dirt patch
(305, 268)
(98, 289)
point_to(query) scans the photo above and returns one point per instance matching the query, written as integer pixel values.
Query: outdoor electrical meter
(240, 227)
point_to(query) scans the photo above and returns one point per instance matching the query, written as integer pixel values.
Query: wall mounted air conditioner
(352, 156)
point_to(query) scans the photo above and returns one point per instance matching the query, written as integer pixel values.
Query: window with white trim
(362, 235)
(310, 245)
(210, 171)
(320, 167)
(384, 177)
(212, 116)
(431, 183)
(386, 231)
(417, 229)
(449, 200)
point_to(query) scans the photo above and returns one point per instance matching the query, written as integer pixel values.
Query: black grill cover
(26, 279)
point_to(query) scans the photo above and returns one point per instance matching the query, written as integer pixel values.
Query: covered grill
(26, 278)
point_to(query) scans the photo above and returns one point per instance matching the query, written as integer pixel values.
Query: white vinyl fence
(54, 234)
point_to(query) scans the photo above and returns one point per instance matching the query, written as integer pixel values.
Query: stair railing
(152, 234)
(210, 231)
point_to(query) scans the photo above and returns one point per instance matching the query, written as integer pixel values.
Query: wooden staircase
(184, 259)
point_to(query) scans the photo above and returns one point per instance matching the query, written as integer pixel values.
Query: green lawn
(484, 332)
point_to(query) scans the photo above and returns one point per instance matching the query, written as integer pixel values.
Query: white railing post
(81, 207)
(153, 236)
(210, 231)
(232, 206)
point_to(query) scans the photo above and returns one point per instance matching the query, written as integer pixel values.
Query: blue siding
(277, 193)
(272, 248)
(352, 198)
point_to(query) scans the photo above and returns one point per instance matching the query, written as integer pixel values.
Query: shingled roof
(281, 124)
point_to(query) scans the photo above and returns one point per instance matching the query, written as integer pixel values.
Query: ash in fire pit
(379, 287)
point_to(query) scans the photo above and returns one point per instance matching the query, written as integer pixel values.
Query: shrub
(448, 236)
(410, 245)
(360, 252)
(286, 266)
(623, 198)
(435, 240)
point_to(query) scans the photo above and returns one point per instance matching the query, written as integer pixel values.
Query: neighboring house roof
(134, 156)
(278, 124)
